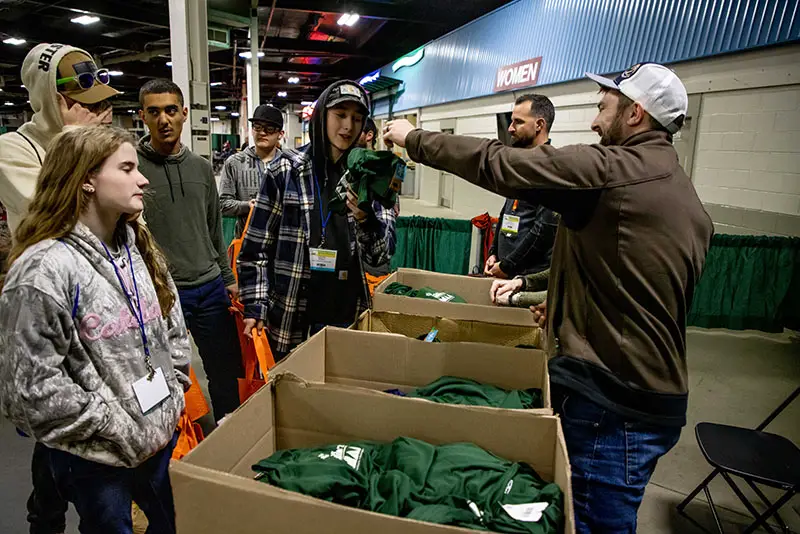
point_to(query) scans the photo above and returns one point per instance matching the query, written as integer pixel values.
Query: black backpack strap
(32, 146)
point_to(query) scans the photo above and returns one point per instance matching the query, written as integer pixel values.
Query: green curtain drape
(440, 245)
(749, 283)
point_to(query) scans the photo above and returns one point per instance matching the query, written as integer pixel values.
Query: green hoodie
(182, 211)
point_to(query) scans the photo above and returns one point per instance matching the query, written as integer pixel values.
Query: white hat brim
(603, 81)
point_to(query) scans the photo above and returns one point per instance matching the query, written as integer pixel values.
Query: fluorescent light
(14, 41)
(9, 103)
(22, 86)
(220, 108)
(235, 114)
(85, 20)
(282, 94)
(214, 119)
(249, 55)
(348, 19)
(306, 103)
(169, 63)
(1, 89)
(131, 111)
(115, 73)
(293, 79)
(215, 84)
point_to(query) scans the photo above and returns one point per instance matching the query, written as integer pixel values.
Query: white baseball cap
(659, 91)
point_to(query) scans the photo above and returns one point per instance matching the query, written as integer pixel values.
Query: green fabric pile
(452, 390)
(373, 176)
(396, 288)
(457, 484)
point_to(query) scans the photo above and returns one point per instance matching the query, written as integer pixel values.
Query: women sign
(519, 75)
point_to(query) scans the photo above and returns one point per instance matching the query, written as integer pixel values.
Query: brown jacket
(630, 248)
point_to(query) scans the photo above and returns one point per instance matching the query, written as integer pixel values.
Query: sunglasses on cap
(86, 79)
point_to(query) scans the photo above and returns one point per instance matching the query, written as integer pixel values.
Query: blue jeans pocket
(644, 446)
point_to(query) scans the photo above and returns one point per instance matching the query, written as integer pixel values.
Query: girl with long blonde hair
(94, 353)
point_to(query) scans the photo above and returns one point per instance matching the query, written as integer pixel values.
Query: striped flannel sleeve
(377, 236)
(258, 246)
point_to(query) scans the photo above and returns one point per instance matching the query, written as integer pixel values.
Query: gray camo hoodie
(70, 350)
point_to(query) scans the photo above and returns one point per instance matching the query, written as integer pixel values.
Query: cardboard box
(214, 488)
(450, 330)
(474, 290)
(383, 361)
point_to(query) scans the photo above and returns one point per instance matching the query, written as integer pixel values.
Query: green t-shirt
(452, 390)
(457, 484)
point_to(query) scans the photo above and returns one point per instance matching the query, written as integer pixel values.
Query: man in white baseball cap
(655, 88)
(630, 248)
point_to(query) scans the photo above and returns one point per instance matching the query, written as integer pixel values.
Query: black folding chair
(755, 456)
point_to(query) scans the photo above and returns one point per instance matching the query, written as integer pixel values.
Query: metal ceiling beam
(90, 42)
(297, 68)
(366, 9)
(113, 10)
(310, 48)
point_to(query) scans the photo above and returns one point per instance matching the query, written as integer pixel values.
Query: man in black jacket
(525, 233)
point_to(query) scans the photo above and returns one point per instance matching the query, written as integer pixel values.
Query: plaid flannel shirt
(274, 264)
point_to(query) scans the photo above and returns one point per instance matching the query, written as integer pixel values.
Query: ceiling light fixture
(306, 103)
(14, 41)
(115, 73)
(215, 84)
(249, 55)
(22, 86)
(214, 119)
(85, 20)
(9, 103)
(282, 94)
(220, 108)
(235, 114)
(348, 19)
(169, 63)
(293, 79)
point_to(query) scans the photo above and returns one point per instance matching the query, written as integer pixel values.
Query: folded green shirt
(453, 390)
(373, 176)
(456, 484)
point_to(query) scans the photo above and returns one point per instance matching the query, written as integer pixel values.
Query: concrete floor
(735, 378)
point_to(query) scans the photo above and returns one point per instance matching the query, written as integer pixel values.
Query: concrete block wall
(747, 160)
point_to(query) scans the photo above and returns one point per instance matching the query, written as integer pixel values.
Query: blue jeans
(103, 494)
(612, 459)
(208, 318)
(47, 508)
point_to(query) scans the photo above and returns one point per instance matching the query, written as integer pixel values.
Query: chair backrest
(771, 417)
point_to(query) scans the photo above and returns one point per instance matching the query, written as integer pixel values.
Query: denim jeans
(208, 318)
(103, 494)
(47, 509)
(612, 459)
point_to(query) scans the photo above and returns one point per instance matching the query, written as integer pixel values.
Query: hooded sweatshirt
(182, 211)
(21, 160)
(70, 350)
(241, 180)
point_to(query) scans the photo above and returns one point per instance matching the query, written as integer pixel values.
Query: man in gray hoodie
(243, 172)
(182, 211)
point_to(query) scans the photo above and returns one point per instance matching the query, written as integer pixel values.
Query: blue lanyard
(140, 316)
(322, 219)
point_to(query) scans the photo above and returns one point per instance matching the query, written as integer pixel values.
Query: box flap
(310, 415)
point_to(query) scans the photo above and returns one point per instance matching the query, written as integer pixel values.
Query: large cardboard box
(214, 488)
(474, 290)
(449, 330)
(382, 361)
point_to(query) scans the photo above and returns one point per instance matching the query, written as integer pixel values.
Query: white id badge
(510, 224)
(323, 260)
(151, 392)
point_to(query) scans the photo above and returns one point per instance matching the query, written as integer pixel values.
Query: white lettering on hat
(46, 56)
